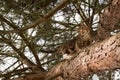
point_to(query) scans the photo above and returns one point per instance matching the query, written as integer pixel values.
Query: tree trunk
(98, 57)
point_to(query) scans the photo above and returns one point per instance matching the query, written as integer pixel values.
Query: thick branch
(101, 56)
(112, 12)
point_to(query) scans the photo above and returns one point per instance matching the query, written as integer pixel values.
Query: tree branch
(97, 57)
(28, 43)
(43, 19)
(47, 16)
(22, 56)
(106, 25)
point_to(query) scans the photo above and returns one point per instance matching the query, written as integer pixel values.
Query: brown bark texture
(101, 56)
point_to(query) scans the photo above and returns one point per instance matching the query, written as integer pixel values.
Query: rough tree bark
(109, 20)
(101, 56)
(98, 57)
(104, 55)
